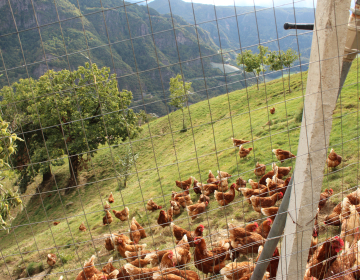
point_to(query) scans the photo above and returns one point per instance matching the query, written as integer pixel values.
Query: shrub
(65, 258)
(299, 114)
(34, 268)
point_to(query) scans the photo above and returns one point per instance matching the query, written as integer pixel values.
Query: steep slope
(166, 155)
(253, 26)
(117, 36)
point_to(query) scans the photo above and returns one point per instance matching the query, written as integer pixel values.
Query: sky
(264, 3)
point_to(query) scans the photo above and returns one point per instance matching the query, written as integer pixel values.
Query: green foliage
(253, 63)
(274, 60)
(279, 60)
(289, 57)
(299, 114)
(34, 268)
(179, 92)
(8, 198)
(81, 109)
(126, 163)
(65, 258)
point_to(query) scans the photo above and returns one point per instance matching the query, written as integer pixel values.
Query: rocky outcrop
(42, 68)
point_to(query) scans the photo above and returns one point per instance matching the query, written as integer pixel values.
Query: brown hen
(111, 198)
(122, 215)
(197, 209)
(260, 169)
(244, 152)
(322, 258)
(179, 233)
(238, 142)
(282, 155)
(183, 184)
(333, 159)
(165, 218)
(209, 261)
(51, 259)
(152, 206)
(225, 198)
(107, 219)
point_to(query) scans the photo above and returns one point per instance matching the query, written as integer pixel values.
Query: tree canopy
(253, 62)
(8, 198)
(276, 60)
(67, 113)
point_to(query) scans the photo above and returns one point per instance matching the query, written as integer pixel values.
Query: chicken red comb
(160, 207)
(269, 220)
(256, 224)
(201, 226)
(340, 241)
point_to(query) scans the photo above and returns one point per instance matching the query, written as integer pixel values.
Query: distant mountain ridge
(252, 26)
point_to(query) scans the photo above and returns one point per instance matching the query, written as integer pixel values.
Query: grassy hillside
(165, 155)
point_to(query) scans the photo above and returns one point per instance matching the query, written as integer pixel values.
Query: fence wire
(87, 191)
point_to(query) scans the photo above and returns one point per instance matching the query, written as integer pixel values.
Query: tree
(288, 58)
(126, 163)
(8, 198)
(279, 60)
(253, 63)
(68, 112)
(179, 95)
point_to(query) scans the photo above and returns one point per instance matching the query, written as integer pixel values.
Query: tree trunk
(183, 119)
(289, 81)
(74, 164)
(47, 175)
(184, 127)
(257, 81)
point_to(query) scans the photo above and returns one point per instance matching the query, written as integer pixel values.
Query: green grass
(165, 155)
(34, 268)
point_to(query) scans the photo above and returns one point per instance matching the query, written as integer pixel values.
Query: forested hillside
(112, 37)
(127, 30)
(252, 26)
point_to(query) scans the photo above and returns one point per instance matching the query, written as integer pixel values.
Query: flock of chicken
(323, 261)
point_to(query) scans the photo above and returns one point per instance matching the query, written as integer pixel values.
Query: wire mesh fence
(148, 140)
